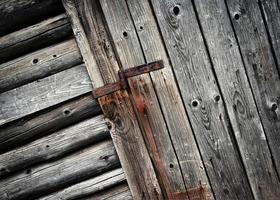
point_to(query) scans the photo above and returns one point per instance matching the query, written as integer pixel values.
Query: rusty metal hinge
(123, 75)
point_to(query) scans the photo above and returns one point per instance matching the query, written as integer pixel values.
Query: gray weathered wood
(243, 114)
(149, 102)
(34, 126)
(43, 93)
(39, 64)
(201, 97)
(34, 37)
(120, 192)
(125, 131)
(260, 66)
(90, 186)
(54, 145)
(271, 11)
(15, 14)
(74, 168)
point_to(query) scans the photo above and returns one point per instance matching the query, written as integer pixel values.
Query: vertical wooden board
(202, 98)
(271, 12)
(146, 102)
(261, 68)
(239, 100)
(127, 136)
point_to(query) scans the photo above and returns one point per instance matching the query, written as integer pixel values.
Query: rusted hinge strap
(123, 75)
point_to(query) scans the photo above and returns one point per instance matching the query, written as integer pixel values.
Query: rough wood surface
(39, 64)
(202, 98)
(90, 186)
(34, 37)
(149, 102)
(119, 192)
(271, 14)
(243, 114)
(42, 179)
(54, 145)
(260, 66)
(15, 14)
(43, 93)
(125, 131)
(34, 126)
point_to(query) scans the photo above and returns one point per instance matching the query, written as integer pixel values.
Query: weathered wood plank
(271, 13)
(243, 114)
(261, 68)
(54, 145)
(60, 116)
(34, 37)
(39, 64)
(147, 104)
(125, 131)
(15, 14)
(51, 176)
(43, 93)
(201, 95)
(119, 192)
(90, 187)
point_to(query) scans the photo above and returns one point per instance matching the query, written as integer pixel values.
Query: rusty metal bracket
(123, 75)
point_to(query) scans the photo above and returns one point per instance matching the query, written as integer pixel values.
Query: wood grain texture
(89, 187)
(34, 37)
(117, 108)
(39, 64)
(148, 108)
(243, 114)
(43, 93)
(34, 126)
(119, 192)
(271, 14)
(54, 145)
(260, 66)
(202, 98)
(51, 176)
(16, 14)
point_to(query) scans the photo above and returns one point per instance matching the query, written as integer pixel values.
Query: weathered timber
(50, 120)
(201, 96)
(271, 12)
(43, 93)
(39, 64)
(149, 102)
(125, 131)
(54, 145)
(15, 14)
(240, 104)
(119, 192)
(90, 186)
(42, 179)
(34, 37)
(260, 66)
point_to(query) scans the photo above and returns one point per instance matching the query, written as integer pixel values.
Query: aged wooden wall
(207, 126)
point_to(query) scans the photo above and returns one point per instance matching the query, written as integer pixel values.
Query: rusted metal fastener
(123, 75)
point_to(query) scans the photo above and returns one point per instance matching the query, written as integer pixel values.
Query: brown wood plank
(201, 95)
(148, 106)
(34, 126)
(44, 178)
(39, 64)
(117, 107)
(54, 145)
(90, 186)
(271, 14)
(15, 14)
(243, 114)
(34, 37)
(43, 93)
(261, 68)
